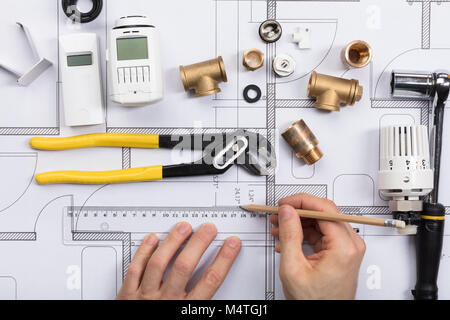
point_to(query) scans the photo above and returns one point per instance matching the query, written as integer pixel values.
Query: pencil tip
(245, 207)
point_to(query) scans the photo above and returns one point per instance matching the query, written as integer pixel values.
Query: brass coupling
(331, 93)
(304, 142)
(253, 59)
(204, 77)
(357, 54)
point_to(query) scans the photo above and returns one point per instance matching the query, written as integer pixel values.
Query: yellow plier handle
(147, 141)
(101, 177)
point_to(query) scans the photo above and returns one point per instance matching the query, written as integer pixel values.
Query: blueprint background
(41, 256)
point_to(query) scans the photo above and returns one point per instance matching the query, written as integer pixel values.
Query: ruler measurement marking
(172, 213)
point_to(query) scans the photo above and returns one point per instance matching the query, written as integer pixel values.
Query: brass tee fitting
(304, 142)
(331, 93)
(204, 77)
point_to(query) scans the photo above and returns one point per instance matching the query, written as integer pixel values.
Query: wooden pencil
(327, 216)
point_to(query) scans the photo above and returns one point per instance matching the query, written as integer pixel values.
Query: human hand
(331, 273)
(144, 280)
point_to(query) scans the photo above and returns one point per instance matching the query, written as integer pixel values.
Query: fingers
(338, 236)
(273, 219)
(187, 260)
(214, 276)
(159, 261)
(139, 263)
(309, 202)
(275, 232)
(355, 235)
(336, 231)
(291, 237)
(310, 234)
(277, 248)
(318, 246)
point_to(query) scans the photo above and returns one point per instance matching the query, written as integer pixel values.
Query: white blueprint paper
(48, 252)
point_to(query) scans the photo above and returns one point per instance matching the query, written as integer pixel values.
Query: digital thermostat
(82, 89)
(134, 60)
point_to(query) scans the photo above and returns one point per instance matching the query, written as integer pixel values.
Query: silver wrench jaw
(260, 158)
(221, 151)
(249, 150)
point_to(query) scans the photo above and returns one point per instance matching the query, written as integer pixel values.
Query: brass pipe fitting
(304, 142)
(204, 77)
(357, 54)
(331, 93)
(253, 59)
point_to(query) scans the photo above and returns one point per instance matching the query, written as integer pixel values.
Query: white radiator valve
(405, 172)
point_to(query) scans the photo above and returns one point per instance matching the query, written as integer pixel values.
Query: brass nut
(253, 59)
(304, 142)
(204, 77)
(331, 93)
(357, 54)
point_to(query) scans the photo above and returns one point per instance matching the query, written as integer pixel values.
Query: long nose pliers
(220, 152)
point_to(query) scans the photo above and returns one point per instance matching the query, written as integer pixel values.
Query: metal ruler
(140, 221)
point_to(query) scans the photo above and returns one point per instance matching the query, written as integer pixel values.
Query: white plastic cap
(133, 21)
(284, 65)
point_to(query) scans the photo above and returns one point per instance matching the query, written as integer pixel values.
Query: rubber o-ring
(255, 88)
(71, 10)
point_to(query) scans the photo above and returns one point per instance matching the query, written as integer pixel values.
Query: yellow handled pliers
(220, 152)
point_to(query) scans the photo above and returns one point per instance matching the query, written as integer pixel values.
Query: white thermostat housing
(82, 89)
(405, 172)
(134, 62)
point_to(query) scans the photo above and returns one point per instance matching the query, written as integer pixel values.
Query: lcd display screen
(132, 48)
(79, 60)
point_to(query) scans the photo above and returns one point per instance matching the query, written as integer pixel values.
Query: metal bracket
(36, 70)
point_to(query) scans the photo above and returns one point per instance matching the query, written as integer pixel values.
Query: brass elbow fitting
(304, 142)
(331, 93)
(204, 77)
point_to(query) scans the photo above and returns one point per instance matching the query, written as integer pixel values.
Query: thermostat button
(127, 75)
(121, 75)
(146, 74)
(140, 74)
(133, 75)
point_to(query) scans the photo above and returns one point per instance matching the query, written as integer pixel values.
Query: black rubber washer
(255, 88)
(71, 10)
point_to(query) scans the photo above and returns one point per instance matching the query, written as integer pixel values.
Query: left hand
(144, 280)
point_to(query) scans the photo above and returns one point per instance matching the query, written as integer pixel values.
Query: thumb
(291, 237)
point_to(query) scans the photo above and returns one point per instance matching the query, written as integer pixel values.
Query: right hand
(331, 273)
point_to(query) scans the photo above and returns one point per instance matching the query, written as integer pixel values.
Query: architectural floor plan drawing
(76, 242)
